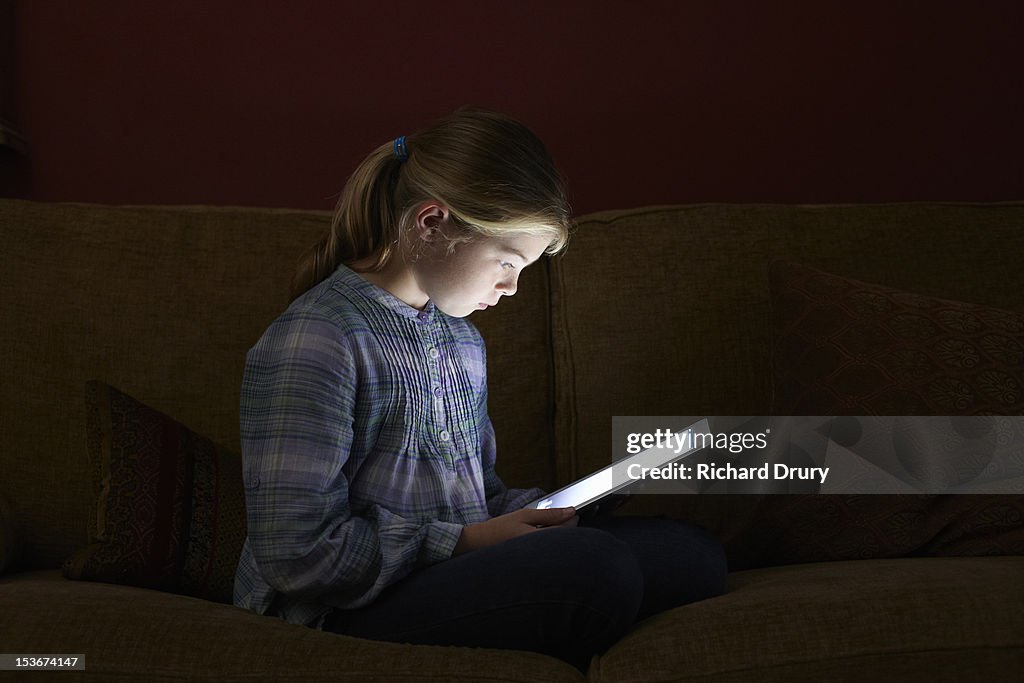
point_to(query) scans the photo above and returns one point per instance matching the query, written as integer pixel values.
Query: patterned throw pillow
(845, 347)
(170, 507)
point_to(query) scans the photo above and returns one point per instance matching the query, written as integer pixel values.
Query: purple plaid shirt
(366, 447)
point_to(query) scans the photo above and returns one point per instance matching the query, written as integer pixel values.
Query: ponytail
(364, 223)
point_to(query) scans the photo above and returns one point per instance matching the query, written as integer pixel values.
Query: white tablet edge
(602, 483)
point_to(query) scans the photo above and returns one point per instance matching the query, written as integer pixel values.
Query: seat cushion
(914, 619)
(142, 634)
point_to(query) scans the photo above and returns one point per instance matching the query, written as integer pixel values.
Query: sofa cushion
(837, 621)
(129, 633)
(10, 537)
(170, 508)
(848, 347)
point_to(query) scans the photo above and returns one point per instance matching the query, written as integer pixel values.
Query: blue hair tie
(401, 152)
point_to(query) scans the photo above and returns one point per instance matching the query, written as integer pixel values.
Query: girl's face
(476, 274)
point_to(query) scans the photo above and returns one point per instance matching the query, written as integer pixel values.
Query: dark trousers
(567, 592)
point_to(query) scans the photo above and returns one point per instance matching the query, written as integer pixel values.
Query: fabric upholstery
(651, 311)
(10, 537)
(846, 347)
(667, 310)
(908, 619)
(794, 528)
(132, 633)
(170, 510)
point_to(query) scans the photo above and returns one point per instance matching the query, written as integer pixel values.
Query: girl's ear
(430, 221)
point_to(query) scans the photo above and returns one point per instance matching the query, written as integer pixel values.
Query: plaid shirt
(366, 447)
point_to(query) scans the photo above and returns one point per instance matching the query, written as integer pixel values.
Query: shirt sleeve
(299, 391)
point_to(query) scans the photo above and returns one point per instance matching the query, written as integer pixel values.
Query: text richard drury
(687, 440)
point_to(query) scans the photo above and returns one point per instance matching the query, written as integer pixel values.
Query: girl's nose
(508, 286)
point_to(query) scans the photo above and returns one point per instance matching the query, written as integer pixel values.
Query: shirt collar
(357, 283)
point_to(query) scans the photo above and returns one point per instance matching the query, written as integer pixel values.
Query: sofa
(121, 510)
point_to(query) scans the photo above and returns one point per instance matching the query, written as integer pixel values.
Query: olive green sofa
(651, 311)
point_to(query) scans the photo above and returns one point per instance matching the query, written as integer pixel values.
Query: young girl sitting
(373, 504)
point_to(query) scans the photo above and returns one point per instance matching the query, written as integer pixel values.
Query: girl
(373, 504)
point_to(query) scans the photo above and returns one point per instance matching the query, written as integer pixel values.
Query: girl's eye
(506, 265)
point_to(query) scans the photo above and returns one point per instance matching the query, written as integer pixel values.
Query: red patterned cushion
(845, 347)
(170, 508)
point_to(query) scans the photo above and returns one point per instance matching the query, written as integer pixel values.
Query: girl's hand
(512, 524)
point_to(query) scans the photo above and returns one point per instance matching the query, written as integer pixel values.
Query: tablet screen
(608, 480)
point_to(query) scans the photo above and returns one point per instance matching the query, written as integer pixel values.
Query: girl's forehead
(527, 247)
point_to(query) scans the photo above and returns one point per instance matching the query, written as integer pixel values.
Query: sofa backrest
(651, 311)
(163, 303)
(666, 310)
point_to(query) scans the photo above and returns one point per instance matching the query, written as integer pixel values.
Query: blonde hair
(492, 173)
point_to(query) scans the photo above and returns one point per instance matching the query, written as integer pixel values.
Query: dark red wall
(272, 103)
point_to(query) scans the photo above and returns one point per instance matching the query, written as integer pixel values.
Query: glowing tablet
(591, 489)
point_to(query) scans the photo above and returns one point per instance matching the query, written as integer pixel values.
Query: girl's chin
(457, 311)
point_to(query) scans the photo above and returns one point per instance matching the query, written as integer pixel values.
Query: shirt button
(438, 392)
(434, 353)
(444, 435)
